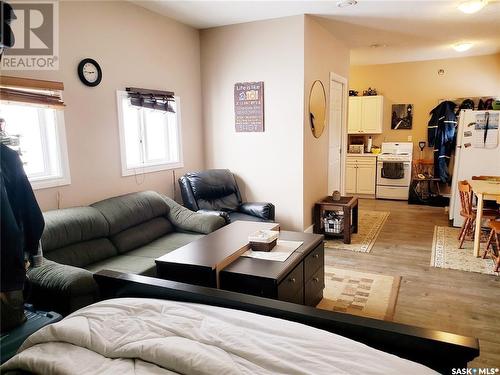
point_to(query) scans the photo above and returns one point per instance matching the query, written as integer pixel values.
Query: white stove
(393, 157)
(394, 170)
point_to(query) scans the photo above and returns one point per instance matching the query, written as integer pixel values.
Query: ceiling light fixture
(462, 47)
(472, 6)
(346, 3)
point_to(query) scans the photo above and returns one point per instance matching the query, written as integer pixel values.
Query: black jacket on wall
(441, 134)
(21, 221)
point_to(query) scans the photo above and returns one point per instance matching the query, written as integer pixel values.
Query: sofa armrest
(258, 209)
(185, 219)
(222, 214)
(62, 288)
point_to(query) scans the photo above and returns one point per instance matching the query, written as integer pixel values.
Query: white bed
(148, 336)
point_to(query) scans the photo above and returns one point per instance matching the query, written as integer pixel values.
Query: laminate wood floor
(460, 302)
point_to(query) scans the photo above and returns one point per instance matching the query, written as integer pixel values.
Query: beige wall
(323, 54)
(268, 164)
(134, 47)
(418, 83)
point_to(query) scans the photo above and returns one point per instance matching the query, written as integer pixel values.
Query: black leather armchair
(216, 191)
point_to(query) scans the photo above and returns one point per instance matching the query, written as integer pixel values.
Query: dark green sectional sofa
(125, 233)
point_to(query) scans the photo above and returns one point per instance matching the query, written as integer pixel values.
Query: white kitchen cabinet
(354, 115)
(365, 179)
(366, 114)
(350, 179)
(361, 173)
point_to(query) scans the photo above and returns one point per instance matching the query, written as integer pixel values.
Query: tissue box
(263, 240)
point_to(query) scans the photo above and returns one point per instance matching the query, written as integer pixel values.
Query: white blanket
(148, 336)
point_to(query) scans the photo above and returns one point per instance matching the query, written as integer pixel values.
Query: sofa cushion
(141, 234)
(141, 261)
(84, 253)
(127, 264)
(132, 209)
(61, 288)
(72, 225)
(164, 245)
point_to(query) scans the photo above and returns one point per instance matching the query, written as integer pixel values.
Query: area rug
(360, 293)
(446, 254)
(369, 226)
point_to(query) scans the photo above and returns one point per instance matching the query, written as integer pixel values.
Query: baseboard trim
(309, 230)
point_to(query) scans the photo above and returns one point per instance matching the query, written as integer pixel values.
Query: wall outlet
(410, 138)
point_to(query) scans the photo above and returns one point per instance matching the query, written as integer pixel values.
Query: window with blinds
(150, 131)
(32, 123)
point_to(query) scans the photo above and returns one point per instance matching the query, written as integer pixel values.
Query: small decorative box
(263, 240)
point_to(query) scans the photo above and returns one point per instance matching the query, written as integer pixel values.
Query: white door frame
(338, 78)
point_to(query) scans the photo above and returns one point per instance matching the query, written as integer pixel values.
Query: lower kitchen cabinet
(361, 175)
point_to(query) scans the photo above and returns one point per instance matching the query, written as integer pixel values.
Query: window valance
(154, 99)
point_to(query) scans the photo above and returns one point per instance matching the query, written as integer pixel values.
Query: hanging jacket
(441, 132)
(21, 221)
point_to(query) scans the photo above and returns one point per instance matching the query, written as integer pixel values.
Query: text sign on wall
(249, 106)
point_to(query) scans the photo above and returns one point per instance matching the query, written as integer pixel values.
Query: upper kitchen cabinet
(366, 114)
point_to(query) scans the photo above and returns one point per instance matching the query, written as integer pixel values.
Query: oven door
(393, 178)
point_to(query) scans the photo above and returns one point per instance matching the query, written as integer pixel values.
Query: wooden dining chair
(493, 250)
(468, 212)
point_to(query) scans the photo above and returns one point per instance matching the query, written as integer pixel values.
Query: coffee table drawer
(314, 261)
(313, 289)
(291, 285)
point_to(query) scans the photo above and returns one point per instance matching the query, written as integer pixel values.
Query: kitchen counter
(363, 155)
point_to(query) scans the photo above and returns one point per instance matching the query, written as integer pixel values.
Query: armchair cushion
(259, 209)
(238, 216)
(215, 189)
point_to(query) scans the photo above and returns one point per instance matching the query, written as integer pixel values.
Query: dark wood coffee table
(200, 261)
(299, 279)
(349, 206)
(215, 261)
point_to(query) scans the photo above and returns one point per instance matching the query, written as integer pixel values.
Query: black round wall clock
(90, 72)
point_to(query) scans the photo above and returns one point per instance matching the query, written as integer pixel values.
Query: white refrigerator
(474, 156)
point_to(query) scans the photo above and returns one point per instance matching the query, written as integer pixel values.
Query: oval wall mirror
(317, 108)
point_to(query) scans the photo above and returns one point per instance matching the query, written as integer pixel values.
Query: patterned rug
(446, 254)
(359, 293)
(369, 226)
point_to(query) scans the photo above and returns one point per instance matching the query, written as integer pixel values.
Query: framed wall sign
(249, 106)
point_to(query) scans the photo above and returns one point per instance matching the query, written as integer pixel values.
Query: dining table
(484, 190)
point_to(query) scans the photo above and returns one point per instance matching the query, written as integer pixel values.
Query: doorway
(337, 135)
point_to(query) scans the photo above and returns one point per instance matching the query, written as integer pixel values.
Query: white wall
(134, 47)
(268, 164)
(323, 54)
